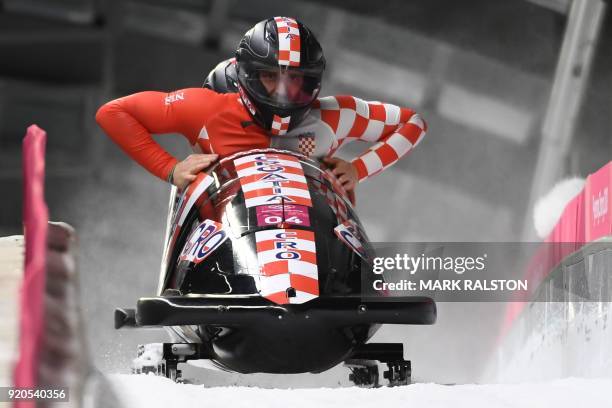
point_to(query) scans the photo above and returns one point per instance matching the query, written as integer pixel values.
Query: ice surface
(11, 272)
(149, 391)
(152, 356)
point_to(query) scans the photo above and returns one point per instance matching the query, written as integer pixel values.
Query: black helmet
(280, 65)
(223, 78)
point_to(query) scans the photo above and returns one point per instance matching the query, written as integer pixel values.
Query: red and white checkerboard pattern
(288, 41)
(280, 125)
(338, 206)
(306, 145)
(397, 130)
(287, 258)
(338, 188)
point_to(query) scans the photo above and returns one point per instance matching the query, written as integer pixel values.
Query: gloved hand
(344, 171)
(187, 170)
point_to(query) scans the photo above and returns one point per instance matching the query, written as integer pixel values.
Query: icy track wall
(566, 330)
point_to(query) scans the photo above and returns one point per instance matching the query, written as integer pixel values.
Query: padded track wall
(35, 218)
(564, 333)
(567, 329)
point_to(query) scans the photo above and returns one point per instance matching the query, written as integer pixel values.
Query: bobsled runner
(267, 268)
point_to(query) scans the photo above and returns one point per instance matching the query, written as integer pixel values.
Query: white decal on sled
(287, 260)
(348, 232)
(203, 241)
(272, 179)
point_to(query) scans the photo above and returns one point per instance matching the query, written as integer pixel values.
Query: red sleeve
(130, 121)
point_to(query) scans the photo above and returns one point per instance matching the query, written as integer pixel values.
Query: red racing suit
(220, 123)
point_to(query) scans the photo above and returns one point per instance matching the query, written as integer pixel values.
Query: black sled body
(268, 276)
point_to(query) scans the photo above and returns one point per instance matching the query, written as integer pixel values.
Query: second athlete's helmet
(280, 65)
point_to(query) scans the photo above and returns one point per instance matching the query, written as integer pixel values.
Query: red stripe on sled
(304, 284)
(275, 268)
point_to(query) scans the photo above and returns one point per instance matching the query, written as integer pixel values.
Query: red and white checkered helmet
(280, 65)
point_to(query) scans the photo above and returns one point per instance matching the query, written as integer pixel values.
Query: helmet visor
(282, 87)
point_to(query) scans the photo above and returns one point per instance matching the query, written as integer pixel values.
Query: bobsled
(267, 268)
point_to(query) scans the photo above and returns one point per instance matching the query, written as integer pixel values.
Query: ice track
(153, 392)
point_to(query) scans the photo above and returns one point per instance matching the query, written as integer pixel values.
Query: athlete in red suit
(277, 106)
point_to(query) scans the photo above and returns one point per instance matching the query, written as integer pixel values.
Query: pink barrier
(586, 218)
(35, 219)
(598, 219)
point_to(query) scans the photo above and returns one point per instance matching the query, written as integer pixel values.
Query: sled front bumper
(254, 311)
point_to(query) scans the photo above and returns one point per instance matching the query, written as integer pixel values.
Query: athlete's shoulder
(202, 101)
(200, 94)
